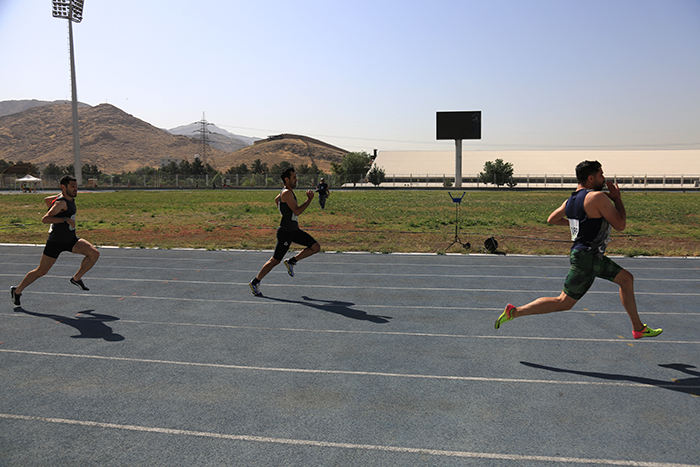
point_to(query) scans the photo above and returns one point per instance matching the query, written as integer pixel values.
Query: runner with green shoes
(590, 215)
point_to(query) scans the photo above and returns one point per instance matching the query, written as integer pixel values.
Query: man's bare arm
(558, 216)
(51, 217)
(288, 198)
(613, 212)
(50, 199)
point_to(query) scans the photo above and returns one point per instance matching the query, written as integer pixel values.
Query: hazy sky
(365, 74)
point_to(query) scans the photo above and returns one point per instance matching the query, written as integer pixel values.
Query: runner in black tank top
(62, 237)
(288, 231)
(589, 214)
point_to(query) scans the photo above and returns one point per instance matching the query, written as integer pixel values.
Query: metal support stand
(458, 203)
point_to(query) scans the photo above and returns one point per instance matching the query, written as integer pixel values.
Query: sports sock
(255, 281)
(292, 260)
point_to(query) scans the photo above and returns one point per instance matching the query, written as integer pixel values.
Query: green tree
(237, 169)
(171, 168)
(91, 171)
(304, 169)
(146, 170)
(185, 168)
(353, 167)
(5, 164)
(376, 176)
(259, 167)
(279, 168)
(198, 167)
(497, 172)
(53, 171)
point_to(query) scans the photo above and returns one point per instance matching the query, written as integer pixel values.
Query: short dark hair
(586, 169)
(287, 173)
(66, 179)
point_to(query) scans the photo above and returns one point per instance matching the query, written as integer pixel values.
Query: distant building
(632, 166)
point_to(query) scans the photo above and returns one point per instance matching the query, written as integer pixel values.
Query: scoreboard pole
(458, 163)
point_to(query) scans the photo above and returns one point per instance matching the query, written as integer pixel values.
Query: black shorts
(286, 238)
(53, 249)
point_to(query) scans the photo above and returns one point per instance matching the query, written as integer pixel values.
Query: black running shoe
(15, 296)
(78, 283)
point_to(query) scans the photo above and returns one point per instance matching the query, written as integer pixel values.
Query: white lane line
(384, 333)
(356, 305)
(365, 287)
(671, 384)
(395, 333)
(369, 274)
(336, 445)
(386, 260)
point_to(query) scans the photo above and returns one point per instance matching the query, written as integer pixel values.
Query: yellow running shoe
(505, 316)
(646, 332)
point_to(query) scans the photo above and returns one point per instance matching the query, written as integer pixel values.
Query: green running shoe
(646, 332)
(505, 316)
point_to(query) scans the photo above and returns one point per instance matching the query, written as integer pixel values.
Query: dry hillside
(118, 142)
(294, 149)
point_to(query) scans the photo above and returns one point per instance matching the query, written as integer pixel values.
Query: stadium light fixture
(68, 9)
(72, 10)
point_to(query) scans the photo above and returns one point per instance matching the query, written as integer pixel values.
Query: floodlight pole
(74, 98)
(458, 163)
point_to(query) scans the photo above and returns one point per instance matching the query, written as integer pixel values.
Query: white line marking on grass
(336, 445)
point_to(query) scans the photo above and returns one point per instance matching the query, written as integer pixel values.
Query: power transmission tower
(204, 136)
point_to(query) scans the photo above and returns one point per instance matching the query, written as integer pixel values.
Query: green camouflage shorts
(585, 267)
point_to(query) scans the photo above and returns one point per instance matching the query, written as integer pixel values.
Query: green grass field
(659, 223)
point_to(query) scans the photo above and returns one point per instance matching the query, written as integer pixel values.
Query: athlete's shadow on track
(334, 306)
(687, 385)
(91, 325)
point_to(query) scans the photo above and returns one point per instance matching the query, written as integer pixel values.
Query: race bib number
(574, 226)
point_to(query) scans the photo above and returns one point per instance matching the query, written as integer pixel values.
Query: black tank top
(289, 219)
(586, 233)
(63, 233)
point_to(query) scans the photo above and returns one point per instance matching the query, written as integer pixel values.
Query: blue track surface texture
(359, 359)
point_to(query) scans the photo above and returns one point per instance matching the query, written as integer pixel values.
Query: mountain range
(217, 137)
(41, 132)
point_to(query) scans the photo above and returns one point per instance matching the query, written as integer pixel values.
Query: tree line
(354, 167)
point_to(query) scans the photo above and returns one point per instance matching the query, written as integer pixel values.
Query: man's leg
(577, 282)
(308, 251)
(545, 305)
(626, 282)
(45, 265)
(312, 247)
(267, 267)
(537, 307)
(83, 247)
